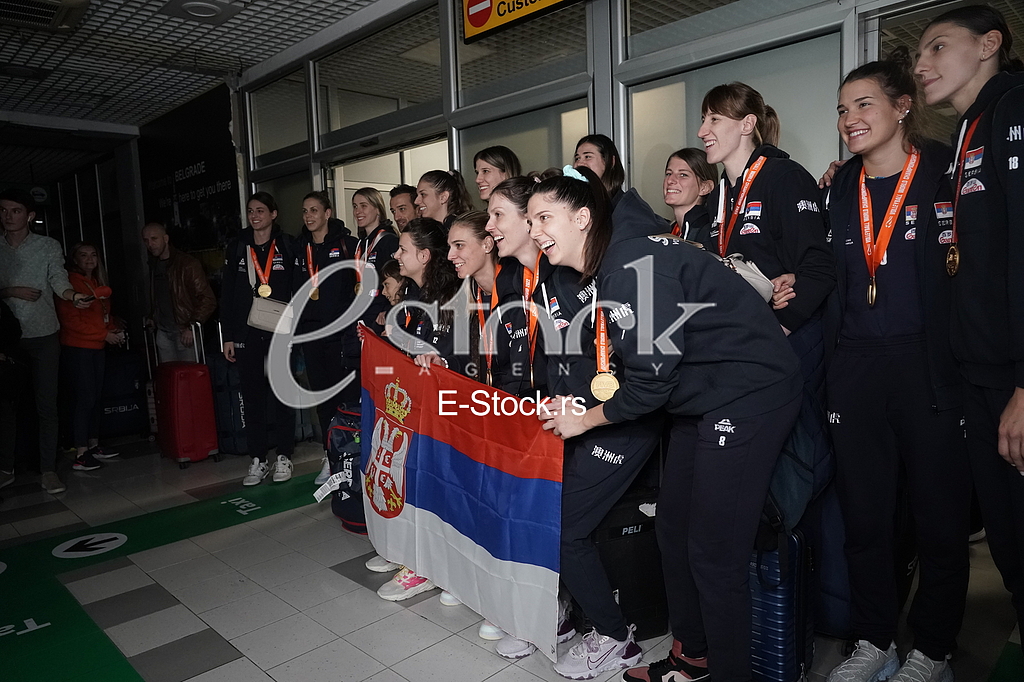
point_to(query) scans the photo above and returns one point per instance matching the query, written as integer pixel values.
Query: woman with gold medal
(892, 384)
(325, 241)
(724, 372)
(966, 60)
(262, 261)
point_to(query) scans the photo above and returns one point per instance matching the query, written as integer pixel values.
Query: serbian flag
(464, 487)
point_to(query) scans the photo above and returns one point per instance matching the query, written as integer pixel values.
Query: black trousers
(881, 417)
(326, 365)
(1000, 488)
(599, 467)
(717, 472)
(262, 408)
(84, 369)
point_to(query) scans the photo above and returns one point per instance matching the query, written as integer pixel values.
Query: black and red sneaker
(86, 462)
(673, 668)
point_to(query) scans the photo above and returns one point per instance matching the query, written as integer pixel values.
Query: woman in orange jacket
(84, 334)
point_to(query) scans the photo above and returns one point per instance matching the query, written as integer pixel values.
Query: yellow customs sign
(481, 17)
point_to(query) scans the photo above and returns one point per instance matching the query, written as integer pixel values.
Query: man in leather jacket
(179, 295)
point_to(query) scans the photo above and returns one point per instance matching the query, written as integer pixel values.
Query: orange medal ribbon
(488, 339)
(359, 257)
(874, 249)
(264, 272)
(725, 235)
(953, 255)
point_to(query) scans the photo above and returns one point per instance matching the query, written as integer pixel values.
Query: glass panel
(288, 191)
(384, 172)
(279, 116)
(656, 24)
(906, 29)
(393, 69)
(808, 114)
(541, 139)
(538, 51)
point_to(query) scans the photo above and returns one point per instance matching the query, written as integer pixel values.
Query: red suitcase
(184, 407)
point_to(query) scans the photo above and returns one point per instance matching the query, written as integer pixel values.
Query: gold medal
(264, 290)
(872, 292)
(604, 385)
(314, 294)
(953, 260)
(359, 288)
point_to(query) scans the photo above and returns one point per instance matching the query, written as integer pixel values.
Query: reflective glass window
(279, 119)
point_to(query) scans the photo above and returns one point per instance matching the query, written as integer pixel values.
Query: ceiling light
(201, 10)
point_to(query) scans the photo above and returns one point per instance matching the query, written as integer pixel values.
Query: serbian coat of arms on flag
(463, 489)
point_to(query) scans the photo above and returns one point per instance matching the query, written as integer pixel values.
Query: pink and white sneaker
(404, 585)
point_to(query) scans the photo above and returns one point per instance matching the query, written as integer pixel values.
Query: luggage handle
(149, 337)
(197, 342)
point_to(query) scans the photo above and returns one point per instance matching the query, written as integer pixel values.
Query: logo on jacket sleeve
(944, 210)
(910, 214)
(750, 228)
(946, 237)
(753, 210)
(726, 426)
(971, 186)
(973, 158)
(806, 205)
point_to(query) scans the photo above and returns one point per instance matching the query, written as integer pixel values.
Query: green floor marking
(45, 634)
(1010, 666)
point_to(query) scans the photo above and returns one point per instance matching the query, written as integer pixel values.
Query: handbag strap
(248, 265)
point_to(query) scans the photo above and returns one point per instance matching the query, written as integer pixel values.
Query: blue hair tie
(571, 172)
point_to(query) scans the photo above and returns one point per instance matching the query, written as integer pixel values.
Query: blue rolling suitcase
(344, 455)
(782, 641)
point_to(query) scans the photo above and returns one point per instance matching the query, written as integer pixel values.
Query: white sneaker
(867, 663)
(490, 631)
(448, 599)
(282, 469)
(325, 473)
(920, 668)
(514, 648)
(405, 584)
(379, 564)
(257, 472)
(596, 654)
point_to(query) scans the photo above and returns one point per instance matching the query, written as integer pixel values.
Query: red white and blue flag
(465, 497)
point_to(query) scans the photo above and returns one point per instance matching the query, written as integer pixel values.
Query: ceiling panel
(127, 63)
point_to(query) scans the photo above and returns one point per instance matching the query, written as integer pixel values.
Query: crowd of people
(892, 302)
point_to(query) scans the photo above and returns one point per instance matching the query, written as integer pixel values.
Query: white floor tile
(451, 660)
(40, 523)
(386, 675)
(247, 614)
(320, 512)
(337, 661)
(227, 537)
(513, 674)
(308, 534)
(281, 569)
(7, 531)
(397, 637)
(167, 555)
(251, 553)
(286, 520)
(337, 550)
(108, 584)
(186, 573)
(282, 641)
(309, 591)
(217, 591)
(156, 629)
(238, 670)
(352, 611)
(451, 618)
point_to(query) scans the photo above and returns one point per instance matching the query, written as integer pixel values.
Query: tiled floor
(287, 597)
